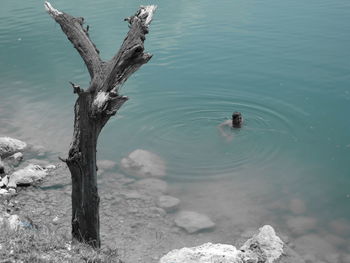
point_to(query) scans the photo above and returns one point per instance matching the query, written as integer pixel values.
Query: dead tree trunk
(94, 107)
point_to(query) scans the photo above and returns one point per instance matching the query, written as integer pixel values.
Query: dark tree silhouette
(94, 107)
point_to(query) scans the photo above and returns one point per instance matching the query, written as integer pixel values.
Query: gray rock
(143, 163)
(15, 159)
(193, 222)
(153, 186)
(9, 146)
(12, 191)
(265, 246)
(301, 224)
(5, 180)
(168, 203)
(2, 167)
(28, 175)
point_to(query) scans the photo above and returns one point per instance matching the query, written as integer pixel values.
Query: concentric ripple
(186, 134)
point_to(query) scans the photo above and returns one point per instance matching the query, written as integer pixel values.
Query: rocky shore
(140, 214)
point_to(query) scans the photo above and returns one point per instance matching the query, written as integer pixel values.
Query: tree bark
(93, 109)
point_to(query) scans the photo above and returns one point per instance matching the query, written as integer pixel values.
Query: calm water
(284, 64)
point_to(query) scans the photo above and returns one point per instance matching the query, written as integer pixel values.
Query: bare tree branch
(78, 35)
(130, 56)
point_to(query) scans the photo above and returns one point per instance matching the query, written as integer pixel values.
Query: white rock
(55, 220)
(15, 159)
(193, 222)
(50, 167)
(301, 224)
(4, 192)
(10, 146)
(168, 203)
(263, 247)
(5, 180)
(13, 222)
(206, 253)
(153, 186)
(27, 175)
(266, 245)
(12, 191)
(143, 163)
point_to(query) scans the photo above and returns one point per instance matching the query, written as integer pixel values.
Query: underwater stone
(143, 163)
(106, 164)
(153, 186)
(297, 206)
(168, 203)
(193, 222)
(301, 224)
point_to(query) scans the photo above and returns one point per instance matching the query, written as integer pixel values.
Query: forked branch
(78, 35)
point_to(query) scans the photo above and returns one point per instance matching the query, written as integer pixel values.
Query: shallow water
(284, 64)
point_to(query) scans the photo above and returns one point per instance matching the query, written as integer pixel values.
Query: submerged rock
(264, 247)
(297, 206)
(168, 203)
(193, 222)
(143, 163)
(10, 146)
(152, 185)
(28, 175)
(301, 224)
(106, 164)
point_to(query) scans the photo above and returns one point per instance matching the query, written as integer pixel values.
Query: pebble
(132, 195)
(168, 203)
(55, 220)
(193, 222)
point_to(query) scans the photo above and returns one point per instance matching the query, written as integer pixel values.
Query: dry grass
(43, 245)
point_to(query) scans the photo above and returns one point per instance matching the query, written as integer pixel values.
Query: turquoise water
(284, 64)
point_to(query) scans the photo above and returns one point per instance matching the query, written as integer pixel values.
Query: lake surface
(284, 64)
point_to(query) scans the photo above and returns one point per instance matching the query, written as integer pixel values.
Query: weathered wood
(94, 107)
